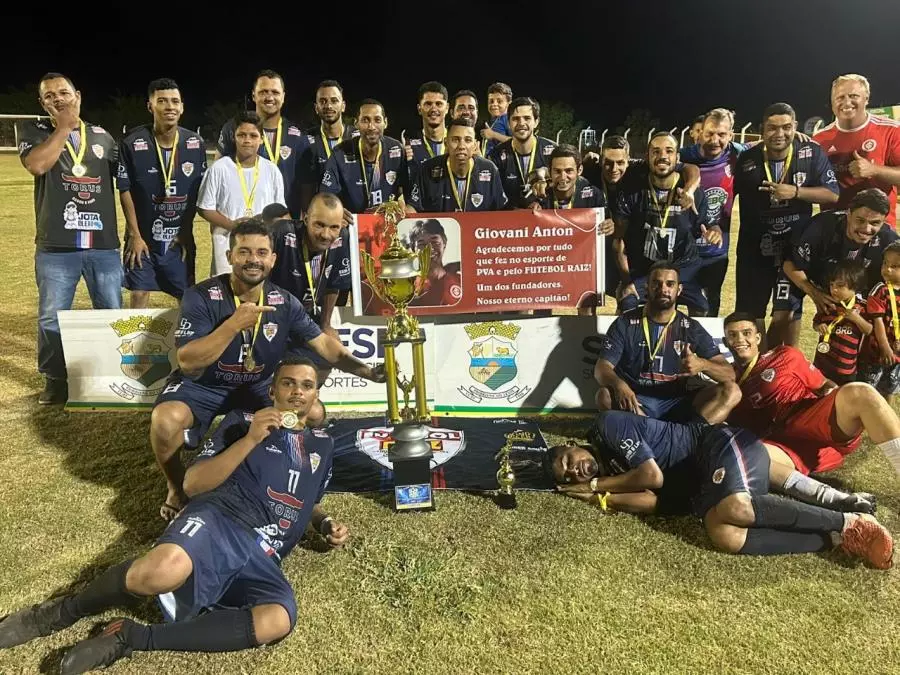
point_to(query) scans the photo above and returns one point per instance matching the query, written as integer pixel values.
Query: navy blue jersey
(824, 242)
(273, 491)
(433, 191)
(329, 272)
(286, 156)
(514, 169)
(162, 212)
(624, 441)
(363, 185)
(625, 347)
(647, 238)
(425, 149)
(316, 152)
(767, 227)
(208, 305)
(586, 196)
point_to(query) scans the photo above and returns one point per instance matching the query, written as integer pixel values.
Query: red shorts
(811, 438)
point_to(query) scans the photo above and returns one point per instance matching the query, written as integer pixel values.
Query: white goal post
(9, 138)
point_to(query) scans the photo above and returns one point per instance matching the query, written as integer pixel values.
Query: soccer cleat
(36, 621)
(860, 502)
(98, 652)
(870, 540)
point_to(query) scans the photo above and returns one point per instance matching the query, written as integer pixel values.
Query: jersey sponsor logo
(314, 460)
(97, 150)
(390, 177)
(98, 130)
(718, 475)
(285, 151)
(336, 243)
(345, 268)
(215, 293)
(310, 139)
(415, 141)
(327, 180)
(492, 362)
(23, 146)
(728, 171)
(319, 433)
(629, 446)
(376, 442)
(805, 152)
(209, 448)
(274, 298)
(270, 330)
(290, 239)
(274, 449)
(503, 156)
(484, 176)
(869, 144)
(81, 220)
(587, 193)
(193, 144)
(184, 329)
(394, 152)
(414, 194)
(140, 145)
(804, 251)
(749, 166)
(476, 198)
(767, 375)
(84, 188)
(294, 131)
(187, 168)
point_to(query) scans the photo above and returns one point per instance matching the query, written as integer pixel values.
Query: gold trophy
(506, 477)
(400, 280)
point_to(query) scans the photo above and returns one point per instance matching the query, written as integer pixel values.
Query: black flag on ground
(464, 451)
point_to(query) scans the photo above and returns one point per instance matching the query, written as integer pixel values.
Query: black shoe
(860, 502)
(35, 621)
(56, 391)
(98, 652)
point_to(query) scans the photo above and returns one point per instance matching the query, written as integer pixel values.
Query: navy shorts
(676, 409)
(208, 402)
(755, 278)
(231, 567)
(731, 460)
(886, 379)
(165, 272)
(787, 297)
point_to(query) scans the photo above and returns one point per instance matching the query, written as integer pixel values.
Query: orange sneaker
(869, 540)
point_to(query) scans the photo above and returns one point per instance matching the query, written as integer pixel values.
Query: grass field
(551, 587)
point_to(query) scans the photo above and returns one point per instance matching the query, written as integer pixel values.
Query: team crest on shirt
(270, 330)
(484, 176)
(437, 171)
(477, 199)
(799, 178)
(767, 375)
(749, 166)
(390, 177)
(503, 156)
(678, 345)
(193, 144)
(98, 150)
(285, 152)
(548, 150)
(215, 293)
(290, 239)
(805, 152)
(718, 475)
(140, 144)
(314, 460)
(728, 171)
(869, 144)
(274, 298)
(294, 131)
(394, 152)
(187, 168)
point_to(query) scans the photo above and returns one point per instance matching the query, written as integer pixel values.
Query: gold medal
(79, 170)
(823, 348)
(248, 213)
(249, 194)
(249, 362)
(289, 419)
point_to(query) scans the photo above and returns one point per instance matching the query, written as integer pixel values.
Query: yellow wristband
(601, 500)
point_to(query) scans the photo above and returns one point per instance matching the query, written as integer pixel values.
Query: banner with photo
(493, 262)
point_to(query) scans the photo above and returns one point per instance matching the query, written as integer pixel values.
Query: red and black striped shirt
(839, 362)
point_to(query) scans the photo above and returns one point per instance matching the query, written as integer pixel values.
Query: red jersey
(878, 140)
(837, 358)
(878, 308)
(781, 378)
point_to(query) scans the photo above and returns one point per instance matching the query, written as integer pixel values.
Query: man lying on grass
(254, 488)
(636, 464)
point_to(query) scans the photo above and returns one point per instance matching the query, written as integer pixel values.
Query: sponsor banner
(495, 262)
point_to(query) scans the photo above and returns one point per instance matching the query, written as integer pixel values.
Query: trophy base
(505, 501)
(412, 485)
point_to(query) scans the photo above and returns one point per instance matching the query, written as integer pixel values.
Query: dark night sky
(676, 59)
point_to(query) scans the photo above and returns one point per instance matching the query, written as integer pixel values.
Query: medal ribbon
(309, 275)
(530, 161)
(461, 203)
(662, 336)
(237, 303)
(362, 167)
(748, 369)
(787, 164)
(82, 146)
(567, 206)
(894, 318)
(325, 142)
(166, 173)
(274, 157)
(664, 217)
(848, 306)
(248, 195)
(428, 144)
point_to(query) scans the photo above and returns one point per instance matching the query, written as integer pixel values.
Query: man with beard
(282, 142)
(367, 171)
(569, 189)
(73, 164)
(653, 225)
(864, 149)
(641, 465)
(788, 401)
(519, 158)
(161, 166)
(237, 187)
(465, 104)
(321, 141)
(651, 358)
(861, 233)
(430, 143)
(234, 329)
(312, 262)
(778, 181)
(216, 570)
(457, 180)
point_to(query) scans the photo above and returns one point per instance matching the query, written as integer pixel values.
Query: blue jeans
(57, 275)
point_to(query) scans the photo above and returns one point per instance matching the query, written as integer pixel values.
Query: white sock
(891, 450)
(811, 491)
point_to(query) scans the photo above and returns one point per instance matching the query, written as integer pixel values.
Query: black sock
(221, 630)
(787, 514)
(765, 541)
(104, 592)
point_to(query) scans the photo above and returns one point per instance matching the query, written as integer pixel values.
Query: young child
(881, 360)
(497, 132)
(842, 330)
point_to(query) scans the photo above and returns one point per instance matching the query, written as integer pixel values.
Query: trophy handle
(424, 258)
(369, 268)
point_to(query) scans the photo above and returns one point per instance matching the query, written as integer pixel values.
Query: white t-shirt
(221, 191)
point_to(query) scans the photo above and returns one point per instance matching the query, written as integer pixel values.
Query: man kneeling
(724, 472)
(254, 488)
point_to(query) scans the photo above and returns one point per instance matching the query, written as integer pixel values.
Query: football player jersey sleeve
(701, 342)
(614, 345)
(302, 328)
(822, 171)
(29, 137)
(501, 201)
(340, 276)
(232, 429)
(125, 168)
(196, 320)
(331, 176)
(225, 144)
(329, 467)
(811, 376)
(806, 245)
(416, 195)
(892, 151)
(875, 303)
